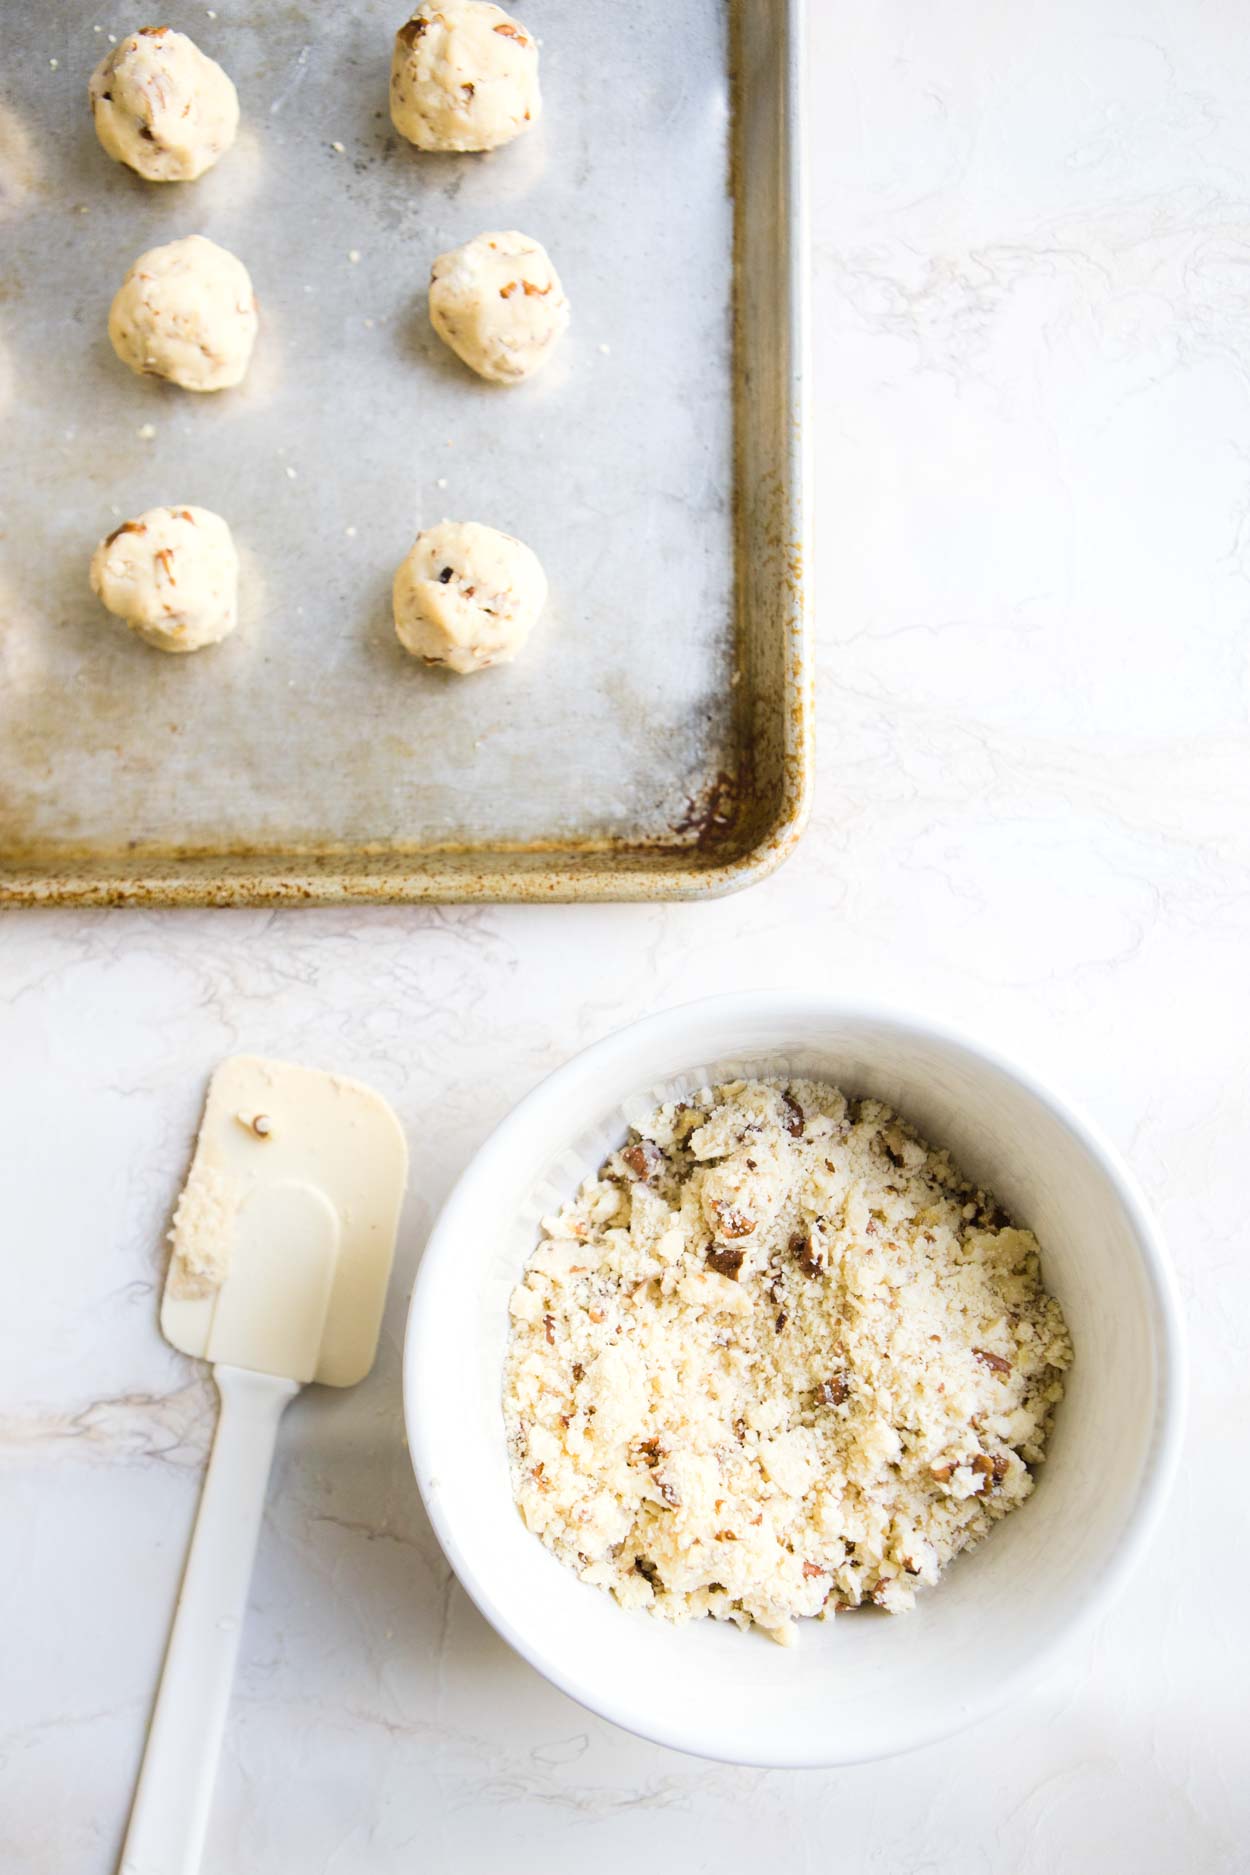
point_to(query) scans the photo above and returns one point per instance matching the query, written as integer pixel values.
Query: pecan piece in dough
(725, 1262)
(731, 1220)
(805, 1254)
(644, 1159)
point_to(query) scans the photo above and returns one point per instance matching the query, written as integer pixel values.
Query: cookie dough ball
(467, 596)
(172, 575)
(186, 312)
(497, 301)
(463, 77)
(162, 106)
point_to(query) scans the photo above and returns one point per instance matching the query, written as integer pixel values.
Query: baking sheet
(655, 738)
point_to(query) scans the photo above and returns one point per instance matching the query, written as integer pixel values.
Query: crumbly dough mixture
(466, 596)
(203, 1231)
(778, 1359)
(498, 303)
(173, 575)
(186, 311)
(162, 106)
(464, 76)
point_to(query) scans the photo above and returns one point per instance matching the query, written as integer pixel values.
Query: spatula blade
(285, 1232)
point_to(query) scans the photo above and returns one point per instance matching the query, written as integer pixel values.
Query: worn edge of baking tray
(736, 836)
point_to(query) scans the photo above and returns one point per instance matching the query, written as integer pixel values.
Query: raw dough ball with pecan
(497, 301)
(162, 106)
(172, 575)
(186, 312)
(467, 596)
(464, 76)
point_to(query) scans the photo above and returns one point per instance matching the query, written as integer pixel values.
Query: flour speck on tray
(778, 1359)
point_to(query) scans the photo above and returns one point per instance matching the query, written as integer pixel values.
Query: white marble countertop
(1032, 248)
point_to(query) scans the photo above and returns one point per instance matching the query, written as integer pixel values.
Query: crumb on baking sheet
(778, 1359)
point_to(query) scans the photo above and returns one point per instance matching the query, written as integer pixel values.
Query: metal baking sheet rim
(540, 873)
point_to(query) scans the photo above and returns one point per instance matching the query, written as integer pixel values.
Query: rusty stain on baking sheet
(745, 801)
(711, 812)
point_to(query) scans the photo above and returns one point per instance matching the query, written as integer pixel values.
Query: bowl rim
(1171, 1389)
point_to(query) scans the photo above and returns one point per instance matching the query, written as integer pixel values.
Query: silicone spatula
(283, 1241)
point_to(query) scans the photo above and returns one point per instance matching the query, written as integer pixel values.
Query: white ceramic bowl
(865, 1685)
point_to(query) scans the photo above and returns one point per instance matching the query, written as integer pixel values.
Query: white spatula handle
(170, 1814)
